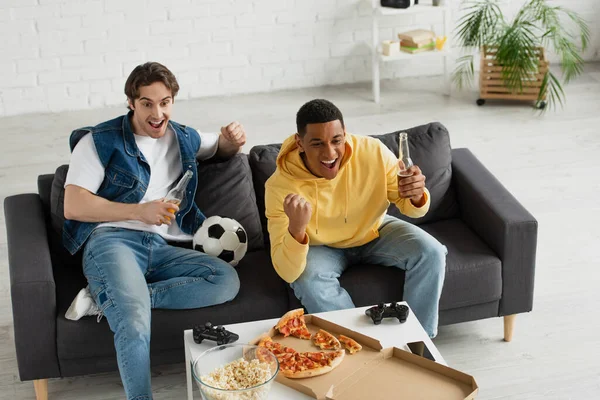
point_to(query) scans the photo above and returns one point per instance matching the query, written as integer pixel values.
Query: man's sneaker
(83, 305)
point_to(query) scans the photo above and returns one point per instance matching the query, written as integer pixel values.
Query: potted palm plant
(513, 60)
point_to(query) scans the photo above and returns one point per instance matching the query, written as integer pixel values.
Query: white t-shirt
(86, 170)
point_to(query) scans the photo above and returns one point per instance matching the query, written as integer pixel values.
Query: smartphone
(420, 349)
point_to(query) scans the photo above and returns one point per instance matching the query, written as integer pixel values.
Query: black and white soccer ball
(222, 237)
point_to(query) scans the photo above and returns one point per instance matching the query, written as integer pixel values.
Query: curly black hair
(317, 111)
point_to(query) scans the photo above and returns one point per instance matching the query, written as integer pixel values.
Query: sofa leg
(41, 389)
(509, 324)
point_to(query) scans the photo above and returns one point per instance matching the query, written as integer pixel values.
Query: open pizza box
(375, 374)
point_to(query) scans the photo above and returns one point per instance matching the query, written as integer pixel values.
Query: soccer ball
(222, 237)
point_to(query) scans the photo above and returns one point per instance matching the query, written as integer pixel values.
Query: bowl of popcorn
(235, 372)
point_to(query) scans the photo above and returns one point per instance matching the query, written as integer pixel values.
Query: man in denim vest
(119, 172)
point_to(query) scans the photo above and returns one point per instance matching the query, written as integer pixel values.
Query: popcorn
(238, 375)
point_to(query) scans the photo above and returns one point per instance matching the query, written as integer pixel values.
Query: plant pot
(492, 85)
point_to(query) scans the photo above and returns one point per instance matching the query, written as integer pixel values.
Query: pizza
(292, 323)
(295, 365)
(350, 344)
(309, 364)
(326, 341)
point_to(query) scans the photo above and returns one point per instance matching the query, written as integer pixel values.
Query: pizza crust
(289, 315)
(264, 339)
(307, 373)
(350, 344)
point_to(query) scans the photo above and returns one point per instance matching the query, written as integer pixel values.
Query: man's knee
(229, 282)
(435, 253)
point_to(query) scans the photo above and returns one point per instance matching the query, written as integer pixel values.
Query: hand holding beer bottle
(411, 181)
(177, 194)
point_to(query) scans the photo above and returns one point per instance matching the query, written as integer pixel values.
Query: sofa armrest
(32, 287)
(488, 208)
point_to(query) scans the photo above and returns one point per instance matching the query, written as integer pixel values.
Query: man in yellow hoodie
(326, 206)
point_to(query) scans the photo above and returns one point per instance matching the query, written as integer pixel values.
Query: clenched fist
(234, 133)
(299, 212)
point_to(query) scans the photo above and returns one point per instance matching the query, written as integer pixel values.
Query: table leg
(188, 373)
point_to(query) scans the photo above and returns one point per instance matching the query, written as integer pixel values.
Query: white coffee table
(390, 333)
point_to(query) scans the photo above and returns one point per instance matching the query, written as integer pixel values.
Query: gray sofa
(490, 237)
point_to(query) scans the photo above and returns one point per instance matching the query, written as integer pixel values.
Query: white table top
(390, 333)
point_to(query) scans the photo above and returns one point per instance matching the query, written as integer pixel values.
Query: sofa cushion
(262, 162)
(262, 296)
(224, 188)
(430, 149)
(44, 184)
(473, 270)
(57, 199)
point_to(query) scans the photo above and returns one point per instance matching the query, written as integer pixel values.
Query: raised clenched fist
(299, 212)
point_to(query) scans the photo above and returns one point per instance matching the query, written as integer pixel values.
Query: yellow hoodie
(346, 211)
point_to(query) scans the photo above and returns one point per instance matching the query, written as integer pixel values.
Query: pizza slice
(309, 364)
(292, 323)
(326, 341)
(350, 344)
(327, 358)
(275, 347)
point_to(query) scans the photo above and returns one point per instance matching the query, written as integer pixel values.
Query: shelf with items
(408, 56)
(376, 46)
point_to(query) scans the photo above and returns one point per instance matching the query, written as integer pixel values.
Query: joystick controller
(380, 311)
(218, 334)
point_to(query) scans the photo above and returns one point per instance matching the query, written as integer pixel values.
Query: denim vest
(127, 173)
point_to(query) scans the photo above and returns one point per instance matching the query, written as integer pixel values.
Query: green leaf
(536, 24)
(464, 73)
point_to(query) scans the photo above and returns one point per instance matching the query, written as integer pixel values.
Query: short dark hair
(317, 111)
(145, 75)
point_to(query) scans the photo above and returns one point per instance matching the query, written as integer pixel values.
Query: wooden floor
(551, 163)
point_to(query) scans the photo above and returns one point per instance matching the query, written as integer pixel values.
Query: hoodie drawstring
(317, 207)
(347, 172)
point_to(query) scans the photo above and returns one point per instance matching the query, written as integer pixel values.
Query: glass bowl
(214, 369)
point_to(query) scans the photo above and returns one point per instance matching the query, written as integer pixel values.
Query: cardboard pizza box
(318, 386)
(355, 371)
(400, 374)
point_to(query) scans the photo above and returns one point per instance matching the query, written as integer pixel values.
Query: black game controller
(381, 311)
(218, 334)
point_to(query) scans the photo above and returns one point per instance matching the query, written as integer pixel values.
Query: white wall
(75, 54)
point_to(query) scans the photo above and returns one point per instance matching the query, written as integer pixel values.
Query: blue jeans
(401, 245)
(129, 273)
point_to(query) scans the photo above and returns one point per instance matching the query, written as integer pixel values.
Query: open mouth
(329, 164)
(156, 124)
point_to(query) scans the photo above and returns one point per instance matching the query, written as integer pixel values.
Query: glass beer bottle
(404, 155)
(177, 194)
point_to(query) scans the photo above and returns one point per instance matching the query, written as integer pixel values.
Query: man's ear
(130, 104)
(299, 143)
